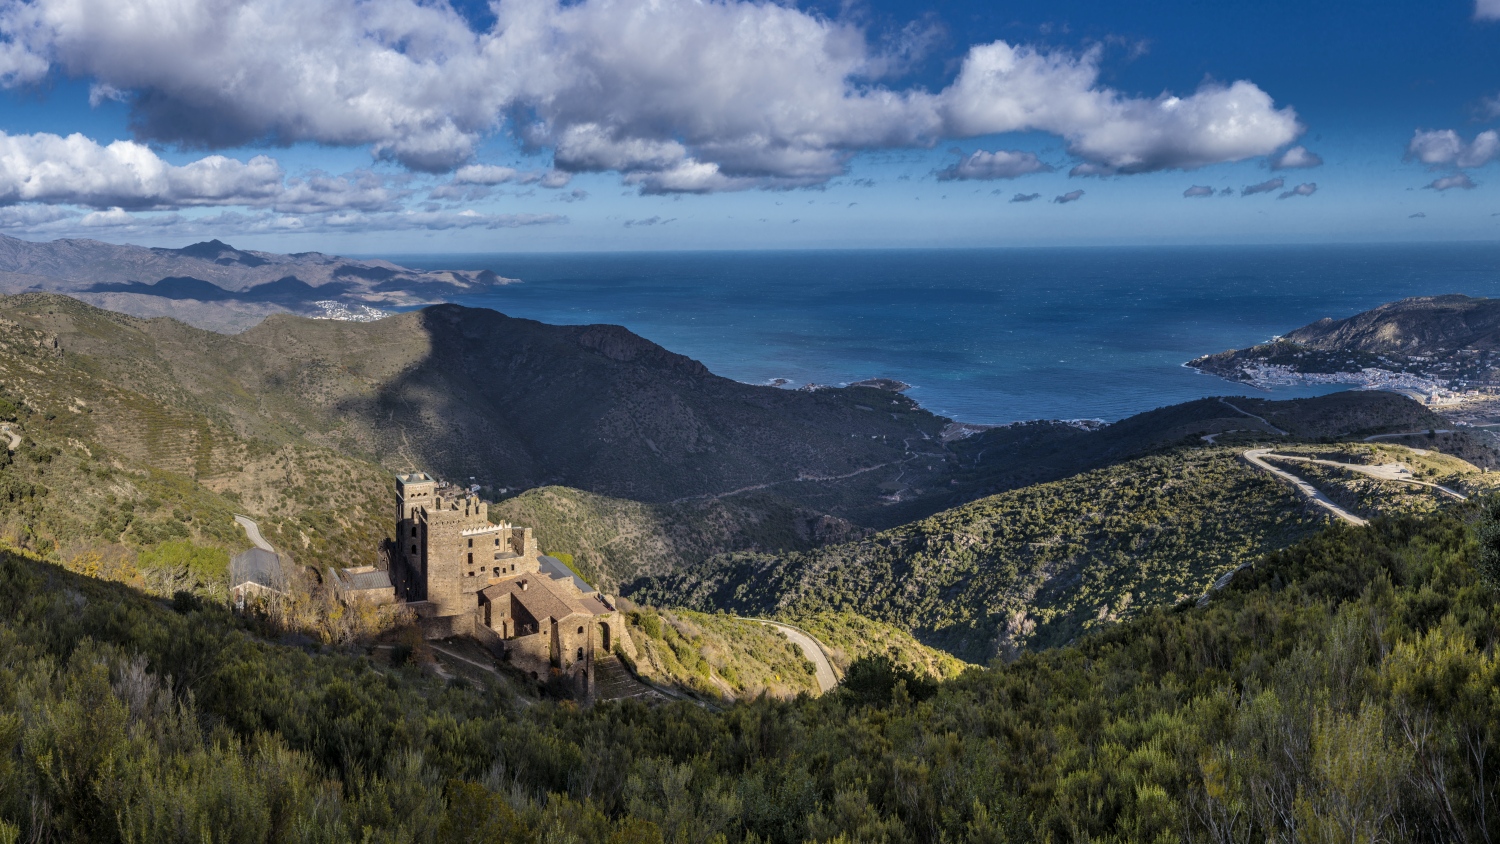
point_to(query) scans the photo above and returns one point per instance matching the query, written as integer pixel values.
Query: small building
(363, 583)
(255, 572)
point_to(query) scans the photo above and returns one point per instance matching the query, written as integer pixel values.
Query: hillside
(1311, 699)
(213, 285)
(1039, 566)
(1421, 344)
(1425, 325)
(1030, 567)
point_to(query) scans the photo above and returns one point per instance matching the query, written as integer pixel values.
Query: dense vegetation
(718, 657)
(1340, 690)
(1030, 567)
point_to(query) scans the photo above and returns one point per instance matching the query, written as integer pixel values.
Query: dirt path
(1408, 434)
(10, 433)
(1261, 419)
(1395, 472)
(801, 479)
(1255, 457)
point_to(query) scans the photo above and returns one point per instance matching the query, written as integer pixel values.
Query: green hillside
(1341, 690)
(1034, 567)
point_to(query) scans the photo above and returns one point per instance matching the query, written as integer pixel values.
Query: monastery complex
(464, 575)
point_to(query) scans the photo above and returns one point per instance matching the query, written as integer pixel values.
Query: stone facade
(464, 574)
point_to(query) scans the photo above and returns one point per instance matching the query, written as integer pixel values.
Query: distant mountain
(216, 286)
(1425, 325)
(1418, 344)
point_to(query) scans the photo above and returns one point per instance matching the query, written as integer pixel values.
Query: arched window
(580, 654)
(580, 631)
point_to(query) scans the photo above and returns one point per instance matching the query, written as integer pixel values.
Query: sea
(985, 336)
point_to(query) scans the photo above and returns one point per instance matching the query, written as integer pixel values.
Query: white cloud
(1304, 189)
(1070, 196)
(1457, 180)
(1002, 88)
(1444, 148)
(1264, 187)
(676, 95)
(1000, 164)
(1487, 10)
(1489, 107)
(59, 222)
(1197, 191)
(76, 170)
(1298, 157)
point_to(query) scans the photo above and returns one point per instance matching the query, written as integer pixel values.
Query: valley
(935, 580)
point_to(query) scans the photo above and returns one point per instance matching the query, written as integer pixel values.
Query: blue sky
(399, 126)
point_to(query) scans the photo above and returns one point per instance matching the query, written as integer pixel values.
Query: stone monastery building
(466, 576)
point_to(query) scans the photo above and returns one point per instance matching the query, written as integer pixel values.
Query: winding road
(812, 649)
(1395, 472)
(10, 433)
(1260, 419)
(1256, 458)
(252, 530)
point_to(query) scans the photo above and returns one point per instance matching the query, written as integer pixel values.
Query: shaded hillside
(514, 403)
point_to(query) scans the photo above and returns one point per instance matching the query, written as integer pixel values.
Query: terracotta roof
(542, 598)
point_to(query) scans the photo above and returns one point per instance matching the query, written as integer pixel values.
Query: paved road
(1396, 472)
(1255, 455)
(811, 649)
(252, 530)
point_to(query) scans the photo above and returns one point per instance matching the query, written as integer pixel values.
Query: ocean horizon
(986, 336)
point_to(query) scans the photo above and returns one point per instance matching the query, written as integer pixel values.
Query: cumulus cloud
(1000, 164)
(1003, 88)
(1304, 189)
(677, 95)
(1445, 148)
(52, 169)
(1457, 180)
(1264, 187)
(1487, 10)
(1026, 197)
(1295, 158)
(1070, 196)
(74, 170)
(1197, 191)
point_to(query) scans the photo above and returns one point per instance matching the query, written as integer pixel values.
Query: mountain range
(216, 286)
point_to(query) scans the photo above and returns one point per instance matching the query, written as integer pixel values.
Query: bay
(985, 336)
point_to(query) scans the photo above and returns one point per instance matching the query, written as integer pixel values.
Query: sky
(396, 126)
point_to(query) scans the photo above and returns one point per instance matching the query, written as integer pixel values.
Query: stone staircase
(613, 681)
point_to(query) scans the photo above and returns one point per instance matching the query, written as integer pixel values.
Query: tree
(1487, 532)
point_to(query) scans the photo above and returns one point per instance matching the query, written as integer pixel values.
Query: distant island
(1439, 348)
